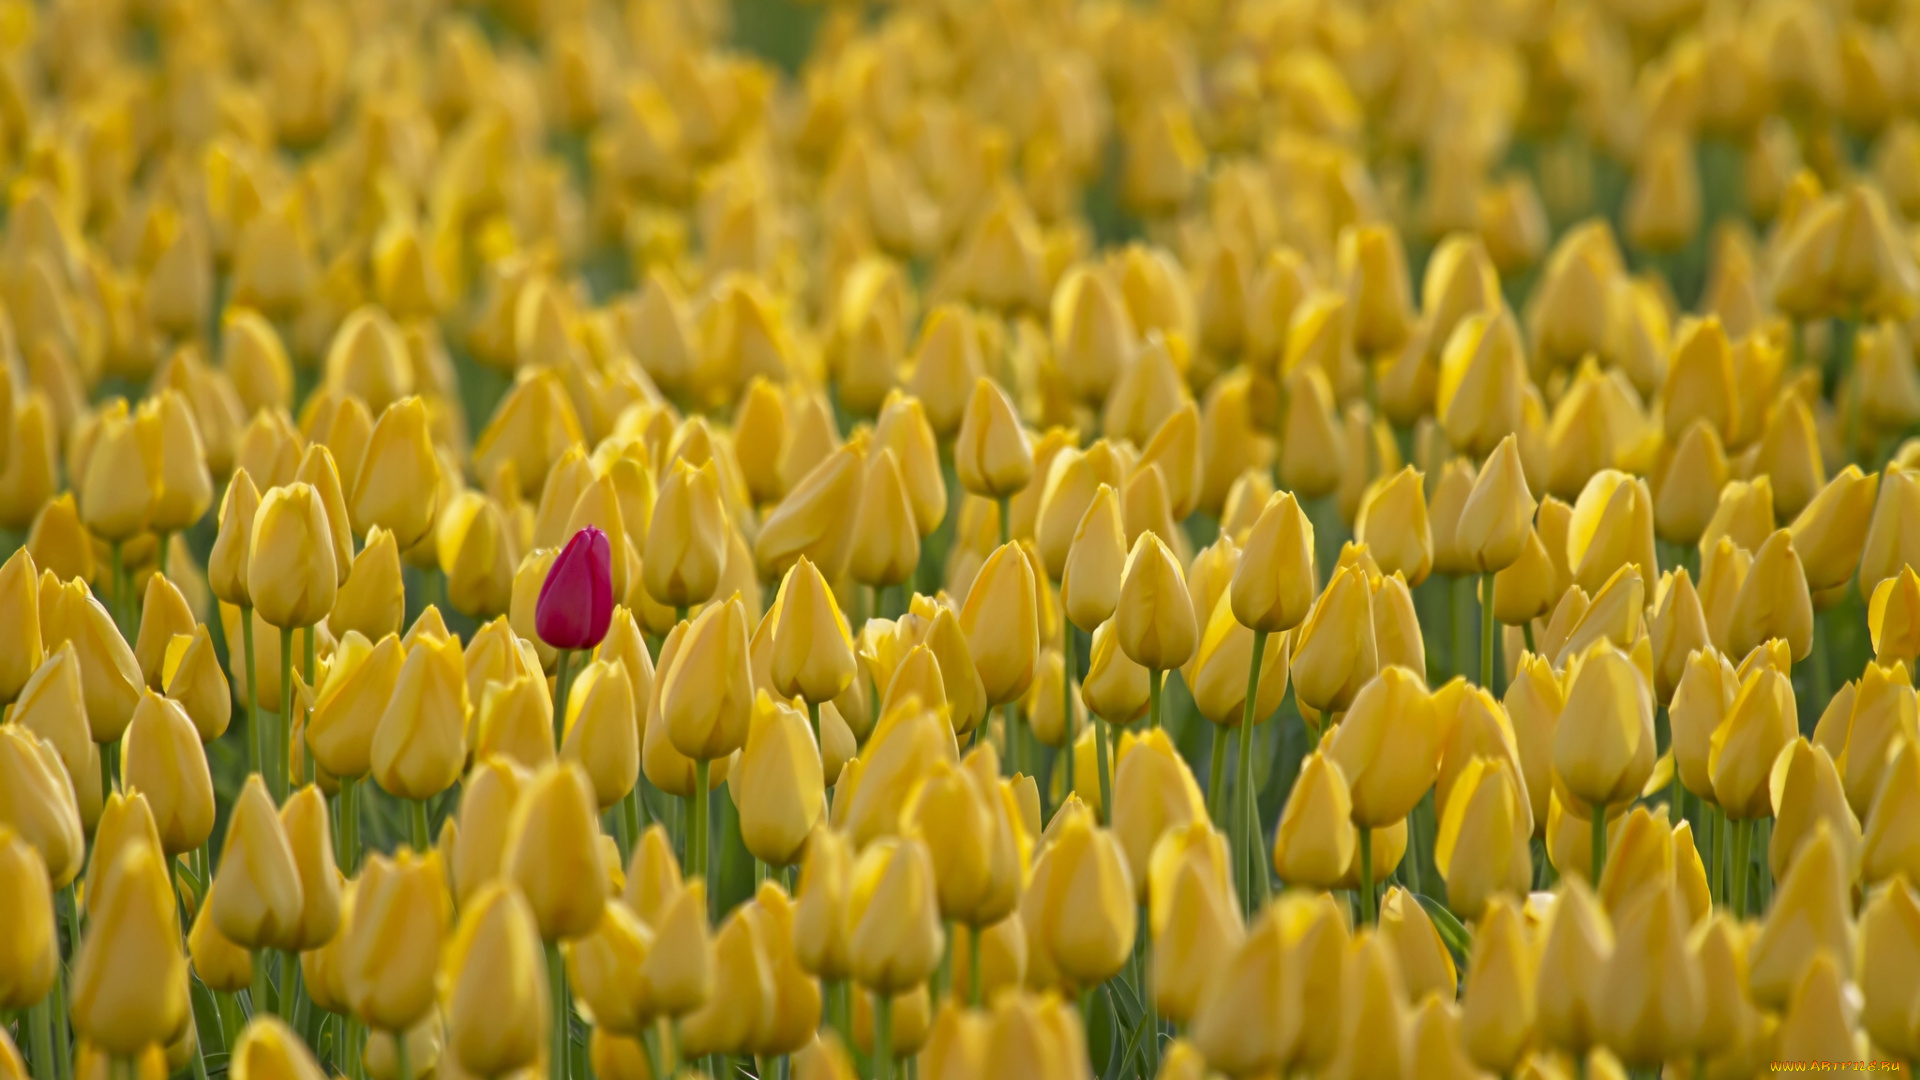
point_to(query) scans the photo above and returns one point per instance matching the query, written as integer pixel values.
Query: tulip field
(959, 539)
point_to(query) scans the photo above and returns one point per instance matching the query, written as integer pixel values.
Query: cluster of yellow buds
(958, 539)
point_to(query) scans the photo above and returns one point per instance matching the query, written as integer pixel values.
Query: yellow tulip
(600, 733)
(30, 954)
(1315, 840)
(1889, 847)
(398, 467)
(1889, 962)
(51, 707)
(1079, 906)
(304, 820)
(130, 978)
(795, 1014)
(886, 535)
(1893, 618)
(359, 681)
(1481, 848)
(373, 599)
(110, 678)
(1575, 946)
(605, 968)
(1688, 493)
(1372, 999)
(1333, 651)
(1393, 524)
(1388, 747)
(119, 478)
(1478, 399)
(685, 551)
(494, 991)
(1497, 1003)
(1200, 933)
(706, 694)
(816, 517)
(1811, 913)
(1273, 584)
(1115, 688)
(1758, 725)
(1611, 526)
(163, 615)
(1652, 997)
(551, 855)
(37, 801)
(1092, 565)
(257, 896)
(1603, 745)
(778, 783)
(290, 562)
(893, 936)
(420, 743)
(993, 456)
(1496, 520)
(1001, 623)
(477, 554)
(224, 966)
(390, 949)
(161, 758)
(1829, 533)
(1218, 674)
(1246, 986)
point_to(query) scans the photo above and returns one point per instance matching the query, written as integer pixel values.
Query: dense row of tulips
(978, 561)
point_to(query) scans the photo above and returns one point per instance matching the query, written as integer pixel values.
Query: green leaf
(1458, 939)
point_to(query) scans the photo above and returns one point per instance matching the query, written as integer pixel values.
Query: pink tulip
(576, 600)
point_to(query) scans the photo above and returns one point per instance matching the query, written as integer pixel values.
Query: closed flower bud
(1001, 622)
(992, 454)
(1828, 534)
(1388, 747)
(390, 952)
(1890, 846)
(119, 481)
(1315, 841)
(109, 675)
(163, 614)
(359, 681)
(778, 783)
(477, 554)
(1393, 524)
(1806, 793)
(51, 706)
(600, 734)
(1153, 791)
(1482, 377)
(21, 650)
(1701, 700)
(1497, 519)
(1115, 688)
(1575, 947)
(1893, 618)
(290, 562)
(30, 953)
(227, 967)
(420, 743)
(1154, 620)
(37, 801)
(1811, 913)
(1080, 906)
(1334, 653)
(1889, 964)
(886, 536)
(706, 693)
(1093, 563)
(551, 855)
(1247, 984)
(1889, 546)
(1758, 725)
(1481, 848)
(1652, 997)
(812, 650)
(256, 896)
(373, 599)
(1603, 746)
(161, 758)
(685, 549)
(894, 936)
(1688, 495)
(1273, 584)
(815, 518)
(398, 467)
(130, 978)
(1497, 1003)
(1612, 525)
(495, 983)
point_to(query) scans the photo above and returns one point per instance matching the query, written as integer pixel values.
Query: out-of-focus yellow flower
(257, 896)
(1603, 746)
(420, 743)
(551, 855)
(779, 783)
(706, 692)
(290, 565)
(1758, 725)
(30, 955)
(600, 733)
(1483, 375)
(815, 518)
(993, 456)
(1612, 525)
(1893, 618)
(390, 952)
(1810, 914)
(1388, 747)
(1001, 622)
(1481, 848)
(893, 929)
(161, 758)
(1079, 906)
(1315, 841)
(130, 978)
(1393, 524)
(395, 475)
(496, 1007)
(1334, 653)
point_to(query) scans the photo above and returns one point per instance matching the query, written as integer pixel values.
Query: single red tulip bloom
(576, 600)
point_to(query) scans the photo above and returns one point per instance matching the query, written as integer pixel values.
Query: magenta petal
(576, 600)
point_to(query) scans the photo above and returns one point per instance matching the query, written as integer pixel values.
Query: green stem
(1526, 629)
(262, 992)
(1742, 838)
(562, 683)
(630, 810)
(306, 759)
(973, 967)
(1101, 732)
(422, 834)
(106, 767)
(1066, 694)
(1486, 632)
(1243, 831)
(40, 1025)
(283, 764)
(1368, 916)
(1599, 827)
(400, 1056)
(1006, 520)
(117, 590)
(883, 1026)
(257, 760)
(1216, 767)
(283, 1005)
(1154, 678)
(557, 988)
(697, 835)
(813, 718)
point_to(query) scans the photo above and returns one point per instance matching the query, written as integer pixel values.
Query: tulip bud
(109, 675)
(1273, 584)
(886, 536)
(372, 600)
(1575, 949)
(309, 834)
(496, 1005)
(1115, 688)
(1333, 651)
(51, 706)
(1395, 510)
(163, 614)
(551, 855)
(1079, 905)
(1478, 399)
(1248, 984)
(894, 935)
(1889, 941)
(1603, 745)
(161, 758)
(1652, 998)
(224, 966)
(1001, 623)
(1497, 1004)
(399, 465)
(1893, 618)
(778, 783)
(37, 801)
(600, 733)
(813, 652)
(992, 454)
(256, 896)
(576, 599)
(1154, 620)
(1090, 574)
(419, 745)
(290, 562)
(1811, 913)
(130, 978)
(1200, 933)
(1481, 848)
(1424, 961)
(1496, 520)
(358, 683)
(1806, 793)
(390, 947)
(1315, 841)
(706, 693)
(1218, 674)
(1388, 747)
(30, 952)
(816, 517)
(1758, 725)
